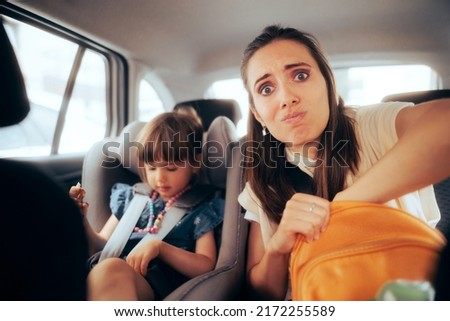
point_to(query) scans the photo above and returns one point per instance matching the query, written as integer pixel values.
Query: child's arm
(187, 263)
(96, 240)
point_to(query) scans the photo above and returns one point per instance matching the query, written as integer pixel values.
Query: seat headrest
(217, 150)
(122, 150)
(209, 109)
(129, 146)
(418, 97)
(14, 105)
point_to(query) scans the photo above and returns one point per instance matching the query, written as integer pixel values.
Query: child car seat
(112, 160)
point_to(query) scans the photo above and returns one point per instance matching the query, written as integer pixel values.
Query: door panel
(65, 169)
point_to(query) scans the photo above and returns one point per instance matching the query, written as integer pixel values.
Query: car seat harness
(157, 220)
(179, 205)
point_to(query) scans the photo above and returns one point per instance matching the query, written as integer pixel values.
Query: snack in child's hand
(77, 193)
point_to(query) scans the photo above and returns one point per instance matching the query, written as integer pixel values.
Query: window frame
(116, 83)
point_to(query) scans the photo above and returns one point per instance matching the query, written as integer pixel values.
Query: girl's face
(289, 93)
(169, 178)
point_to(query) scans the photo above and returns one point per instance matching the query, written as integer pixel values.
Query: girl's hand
(77, 193)
(304, 214)
(142, 254)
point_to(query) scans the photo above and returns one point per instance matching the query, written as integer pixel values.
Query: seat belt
(119, 238)
(116, 242)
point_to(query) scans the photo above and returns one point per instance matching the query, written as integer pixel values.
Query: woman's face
(289, 93)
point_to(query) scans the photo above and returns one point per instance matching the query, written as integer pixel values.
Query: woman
(386, 153)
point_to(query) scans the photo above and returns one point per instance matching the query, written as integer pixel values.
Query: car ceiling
(180, 39)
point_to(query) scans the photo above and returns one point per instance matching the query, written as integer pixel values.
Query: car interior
(157, 56)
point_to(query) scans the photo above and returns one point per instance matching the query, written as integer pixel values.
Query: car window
(150, 103)
(66, 87)
(368, 85)
(232, 89)
(87, 106)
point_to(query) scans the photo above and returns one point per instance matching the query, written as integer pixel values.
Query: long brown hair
(265, 162)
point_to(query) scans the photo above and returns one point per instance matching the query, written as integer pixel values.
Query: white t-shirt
(376, 134)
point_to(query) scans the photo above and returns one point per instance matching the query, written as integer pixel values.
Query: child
(171, 158)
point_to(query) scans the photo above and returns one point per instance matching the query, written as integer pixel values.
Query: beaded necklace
(159, 218)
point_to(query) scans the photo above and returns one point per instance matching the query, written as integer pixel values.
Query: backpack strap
(142, 191)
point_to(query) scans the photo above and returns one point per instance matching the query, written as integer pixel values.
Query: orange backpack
(364, 246)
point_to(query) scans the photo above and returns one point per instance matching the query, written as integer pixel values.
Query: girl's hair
(270, 183)
(170, 137)
(187, 109)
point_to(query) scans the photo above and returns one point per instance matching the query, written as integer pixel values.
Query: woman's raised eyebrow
(260, 78)
(295, 65)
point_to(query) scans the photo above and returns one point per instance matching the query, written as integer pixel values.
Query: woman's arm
(267, 272)
(305, 215)
(420, 157)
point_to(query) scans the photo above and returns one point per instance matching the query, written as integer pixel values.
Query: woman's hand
(304, 214)
(142, 254)
(77, 193)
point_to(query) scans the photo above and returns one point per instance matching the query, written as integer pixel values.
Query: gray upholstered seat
(112, 160)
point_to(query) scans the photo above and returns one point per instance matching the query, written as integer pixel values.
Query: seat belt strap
(119, 238)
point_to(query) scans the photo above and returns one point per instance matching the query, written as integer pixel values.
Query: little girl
(171, 158)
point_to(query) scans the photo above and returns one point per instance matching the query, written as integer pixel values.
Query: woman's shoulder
(377, 111)
(248, 199)
(377, 121)
(375, 127)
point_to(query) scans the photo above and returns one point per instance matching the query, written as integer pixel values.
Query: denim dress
(197, 221)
